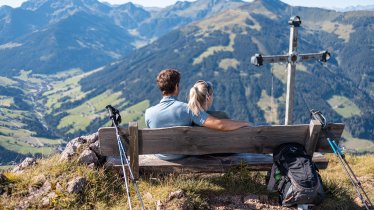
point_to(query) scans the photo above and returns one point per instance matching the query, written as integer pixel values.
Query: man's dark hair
(167, 80)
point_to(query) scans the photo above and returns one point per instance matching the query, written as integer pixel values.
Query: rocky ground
(48, 189)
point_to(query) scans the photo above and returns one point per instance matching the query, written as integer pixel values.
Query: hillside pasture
(81, 116)
(215, 49)
(357, 144)
(344, 107)
(135, 113)
(22, 147)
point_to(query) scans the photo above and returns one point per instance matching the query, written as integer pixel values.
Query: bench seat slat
(210, 163)
(199, 140)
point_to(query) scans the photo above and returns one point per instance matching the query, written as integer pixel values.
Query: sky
(164, 3)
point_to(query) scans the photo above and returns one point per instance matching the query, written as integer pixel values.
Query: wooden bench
(206, 146)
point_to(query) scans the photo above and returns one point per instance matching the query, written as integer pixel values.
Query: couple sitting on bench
(171, 112)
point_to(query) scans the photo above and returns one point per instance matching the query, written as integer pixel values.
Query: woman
(201, 99)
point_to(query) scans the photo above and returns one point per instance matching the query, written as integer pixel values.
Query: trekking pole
(351, 175)
(364, 199)
(116, 119)
(341, 157)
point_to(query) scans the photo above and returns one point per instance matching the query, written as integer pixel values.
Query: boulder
(59, 187)
(37, 191)
(95, 147)
(76, 185)
(90, 139)
(74, 145)
(46, 200)
(46, 187)
(71, 148)
(3, 179)
(88, 157)
(3, 183)
(28, 162)
(177, 194)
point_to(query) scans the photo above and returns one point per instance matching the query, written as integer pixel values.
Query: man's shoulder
(180, 103)
(176, 105)
(151, 110)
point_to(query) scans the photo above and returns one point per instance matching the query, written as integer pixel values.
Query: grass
(357, 144)
(280, 71)
(103, 186)
(6, 101)
(26, 76)
(227, 63)
(344, 107)
(6, 167)
(341, 192)
(4, 81)
(22, 147)
(215, 49)
(5, 122)
(14, 137)
(67, 74)
(65, 84)
(15, 132)
(225, 22)
(50, 141)
(270, 107)
(14, 114)
(136, 113)
(69, 88)
(343, 31)
(105, 189)
(81, 116)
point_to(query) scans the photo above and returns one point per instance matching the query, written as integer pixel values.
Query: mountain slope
(49, 36)
(219, 49)
(64, 35)
(182, 13)
(215, 47)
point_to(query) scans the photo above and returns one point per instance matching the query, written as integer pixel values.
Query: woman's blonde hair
(199, 95)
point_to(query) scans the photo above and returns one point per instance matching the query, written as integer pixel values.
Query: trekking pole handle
(112, 113)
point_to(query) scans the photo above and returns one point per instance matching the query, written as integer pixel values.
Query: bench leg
(134, 149)
(271, 183)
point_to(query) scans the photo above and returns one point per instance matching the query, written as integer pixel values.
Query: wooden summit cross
(292, 58)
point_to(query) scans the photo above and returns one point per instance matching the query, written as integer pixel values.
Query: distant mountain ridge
(49, 36)
(355, 8)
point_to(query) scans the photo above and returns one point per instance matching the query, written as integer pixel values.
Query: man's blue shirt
(171, 112)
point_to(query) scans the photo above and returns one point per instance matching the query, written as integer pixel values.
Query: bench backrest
(199, 140)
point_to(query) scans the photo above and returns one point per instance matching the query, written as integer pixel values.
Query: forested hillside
(112, 54)
(219, 49)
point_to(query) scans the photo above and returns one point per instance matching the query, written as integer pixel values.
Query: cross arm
(322, 56)
(259, 60)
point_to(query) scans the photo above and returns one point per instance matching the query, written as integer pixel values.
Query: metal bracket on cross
(291, 58)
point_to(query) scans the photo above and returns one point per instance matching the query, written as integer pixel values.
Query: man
(171, 112)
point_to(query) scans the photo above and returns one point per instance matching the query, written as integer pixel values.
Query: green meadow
(344, 107)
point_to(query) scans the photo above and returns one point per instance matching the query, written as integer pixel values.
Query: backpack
(300, 182)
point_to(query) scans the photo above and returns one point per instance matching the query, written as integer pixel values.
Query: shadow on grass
(338, 197)
(231, 188)
(240, 181)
